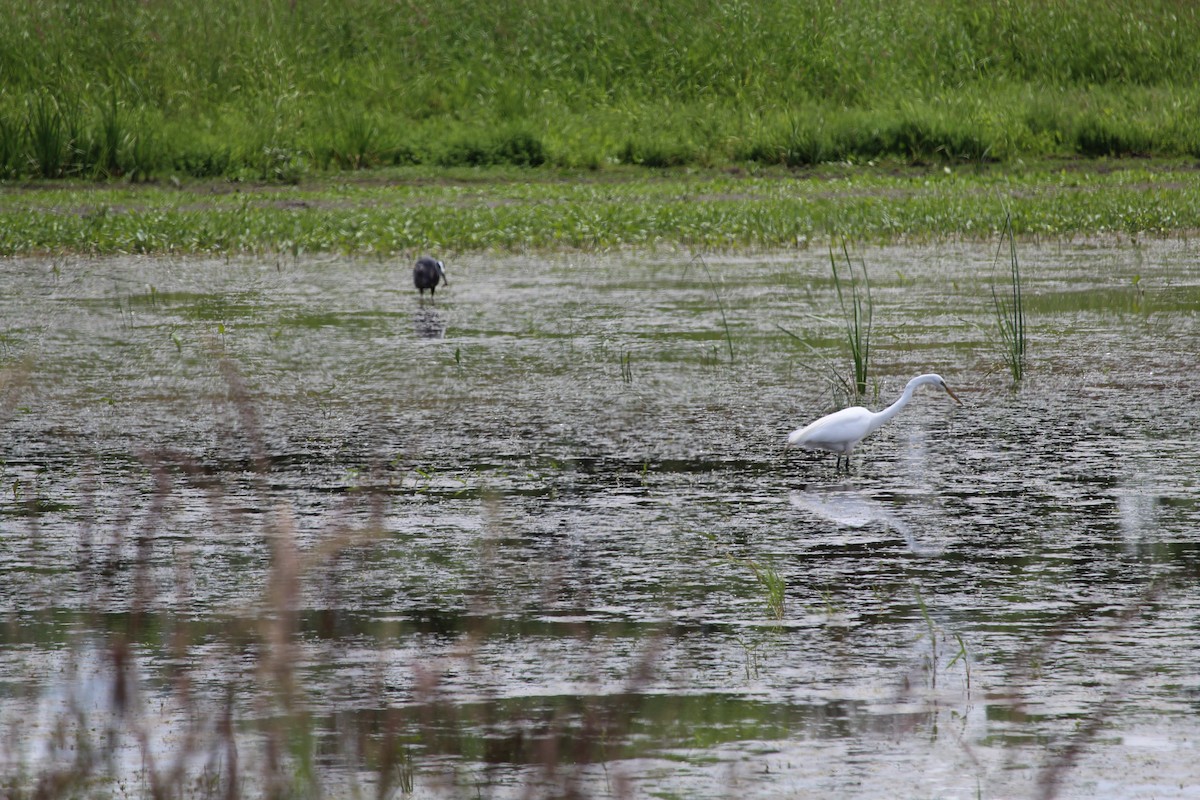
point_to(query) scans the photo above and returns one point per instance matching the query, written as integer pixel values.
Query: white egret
(841, 431)
(427, 273)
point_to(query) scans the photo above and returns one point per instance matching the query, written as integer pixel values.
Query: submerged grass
(772, 584)
(720, 305)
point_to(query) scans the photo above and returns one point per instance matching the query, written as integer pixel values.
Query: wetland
(272, 525)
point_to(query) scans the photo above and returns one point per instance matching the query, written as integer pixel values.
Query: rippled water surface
(265, 518)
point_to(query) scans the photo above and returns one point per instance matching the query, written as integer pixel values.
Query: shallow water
(535, 520)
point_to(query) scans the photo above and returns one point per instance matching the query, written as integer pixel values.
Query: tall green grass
(237, 89)
(1010, 310)
(857, 311)
(858, 315)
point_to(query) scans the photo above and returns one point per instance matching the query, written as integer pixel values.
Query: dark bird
(427, 273)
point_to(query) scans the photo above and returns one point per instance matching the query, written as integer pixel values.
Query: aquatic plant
(963, 656)
(717, 296)
(773, 585)
(932, 632)
(857, 312)
(769, 580)
(1010, 309)
(507, 210)
(858, 316)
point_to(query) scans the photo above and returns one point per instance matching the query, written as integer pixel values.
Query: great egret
(427, 273)
(841, 431)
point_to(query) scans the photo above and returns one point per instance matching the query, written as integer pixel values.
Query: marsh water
(540, 535)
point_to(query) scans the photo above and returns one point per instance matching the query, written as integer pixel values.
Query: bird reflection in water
(850, 508)
(428, 323)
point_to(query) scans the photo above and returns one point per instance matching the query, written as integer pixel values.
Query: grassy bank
(277, 90)
(407, 210)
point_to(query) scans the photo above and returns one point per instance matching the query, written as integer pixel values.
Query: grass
(1010, 311)
(720, 305)
(771, 583)
(858, 316)
(321, 85)
(404, 210)
(857, 311)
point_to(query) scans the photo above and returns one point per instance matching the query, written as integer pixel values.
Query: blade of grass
(827, 370)
(720, 305)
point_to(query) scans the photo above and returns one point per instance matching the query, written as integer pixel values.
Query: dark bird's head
(428, 273)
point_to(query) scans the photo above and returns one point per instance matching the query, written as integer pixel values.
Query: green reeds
(858, 311)
(858, 316)
(109, 138)
(47, 136)
(1010, 309)
(356, 140)
(773, 586)
(10, 148)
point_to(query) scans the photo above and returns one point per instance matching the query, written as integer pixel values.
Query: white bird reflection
(850, 508)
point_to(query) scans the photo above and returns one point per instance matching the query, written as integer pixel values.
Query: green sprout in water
(1139, 293)
(933, 640)
(769, 579)
(773, 585)
(933, 631)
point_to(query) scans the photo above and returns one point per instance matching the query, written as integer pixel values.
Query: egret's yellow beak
(952, 394)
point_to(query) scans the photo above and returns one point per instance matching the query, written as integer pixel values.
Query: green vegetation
(277, 89)
(857, 316)
(1010, 312)
(772, 584)
(293, 126)
(456, 211)
(720, 305)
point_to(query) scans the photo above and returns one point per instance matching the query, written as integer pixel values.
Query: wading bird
(427, 273)
(841, 431)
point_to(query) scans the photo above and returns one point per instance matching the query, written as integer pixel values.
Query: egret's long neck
(894, 409)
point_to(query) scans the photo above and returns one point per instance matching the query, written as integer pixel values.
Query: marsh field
(273, 525)
(278, 527)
